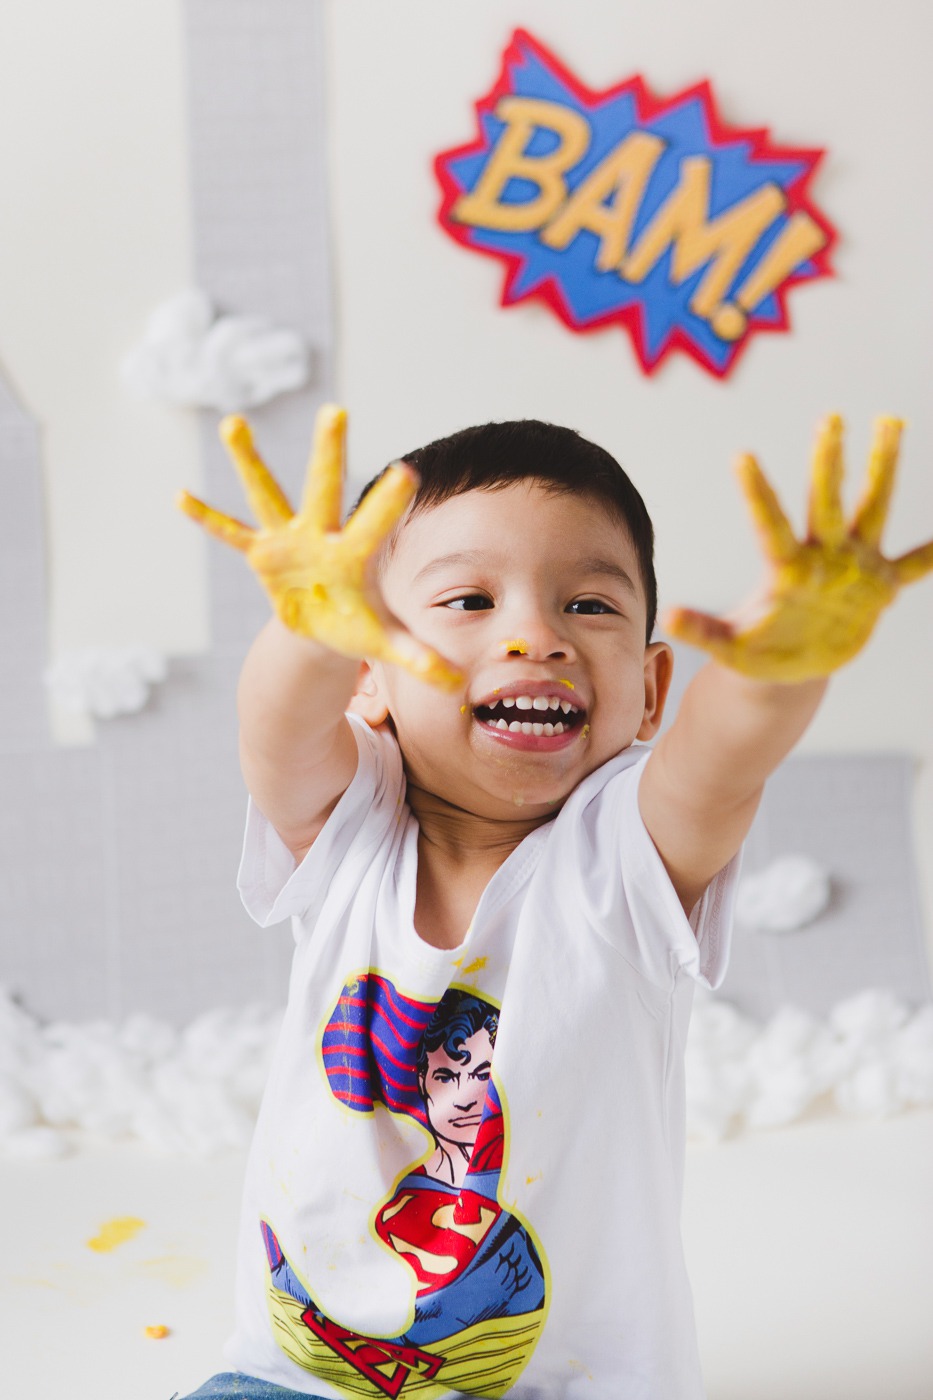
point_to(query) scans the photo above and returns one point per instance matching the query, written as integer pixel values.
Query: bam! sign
(614, 206)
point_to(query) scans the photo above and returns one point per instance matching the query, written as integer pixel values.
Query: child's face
(536, 597)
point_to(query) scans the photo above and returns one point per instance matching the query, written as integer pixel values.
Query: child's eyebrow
(470, 557)
(585, 568)
(608, 568)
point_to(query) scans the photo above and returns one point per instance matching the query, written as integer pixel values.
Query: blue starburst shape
(619, 207)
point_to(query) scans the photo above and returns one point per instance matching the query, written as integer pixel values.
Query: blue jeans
(234, 1386)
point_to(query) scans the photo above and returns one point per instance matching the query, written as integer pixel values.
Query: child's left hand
(826, 591)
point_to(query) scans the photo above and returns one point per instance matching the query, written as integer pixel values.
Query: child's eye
(589, 606)
(469, 602)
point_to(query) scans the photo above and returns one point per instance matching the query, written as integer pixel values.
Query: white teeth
(550, 704)
(527, 727)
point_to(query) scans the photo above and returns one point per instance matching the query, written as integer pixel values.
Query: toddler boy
(467, 1170)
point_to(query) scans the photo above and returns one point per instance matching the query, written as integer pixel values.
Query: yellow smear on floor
(115, 1232)
(177, 1270)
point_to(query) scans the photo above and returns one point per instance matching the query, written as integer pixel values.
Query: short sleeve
(272, 885)
(637, 907)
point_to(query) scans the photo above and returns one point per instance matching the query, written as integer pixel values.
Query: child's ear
(367, 699)
(659, 668)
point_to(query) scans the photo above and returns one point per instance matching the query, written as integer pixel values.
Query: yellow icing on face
(517, 645)
(569, 684)
(115, 1232)
(585, 732)
(463, 709)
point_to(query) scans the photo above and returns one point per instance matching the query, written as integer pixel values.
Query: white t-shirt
(369, 1264)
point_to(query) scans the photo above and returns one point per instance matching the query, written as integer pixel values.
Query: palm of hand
(321, 578)
(827, 591)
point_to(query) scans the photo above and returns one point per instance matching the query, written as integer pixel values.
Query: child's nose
(539, 637)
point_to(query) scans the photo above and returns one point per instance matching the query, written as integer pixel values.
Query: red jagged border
(648, 106)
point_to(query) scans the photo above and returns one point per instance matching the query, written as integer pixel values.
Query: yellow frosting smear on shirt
(116, 1232)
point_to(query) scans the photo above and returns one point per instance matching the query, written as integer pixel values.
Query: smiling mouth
(539, 715)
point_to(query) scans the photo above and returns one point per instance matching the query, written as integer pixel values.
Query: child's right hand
(321, 578)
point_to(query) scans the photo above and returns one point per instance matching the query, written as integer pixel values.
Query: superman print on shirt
(479, 1277)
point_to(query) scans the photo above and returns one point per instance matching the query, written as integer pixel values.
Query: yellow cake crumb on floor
(158, 1332)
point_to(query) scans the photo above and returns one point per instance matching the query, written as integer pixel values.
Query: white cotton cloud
(790, 892)
(871, 1057)
(192, 357)
(190, 1092)
(197, 1090)
(105, 681)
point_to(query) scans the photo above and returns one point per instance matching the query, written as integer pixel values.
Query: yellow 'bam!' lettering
(620, 179)
(683, 225)
(524, 116)
(607, 202)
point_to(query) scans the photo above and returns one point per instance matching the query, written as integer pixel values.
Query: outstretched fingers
(402, 649)
(914, 565)
(323, 492)
(871, 512)
(267, 500)
(698, 629)
(222, 527)
(825, 517)
(382, 508)
(774, 529)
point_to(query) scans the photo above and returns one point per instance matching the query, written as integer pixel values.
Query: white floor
(811, 1251)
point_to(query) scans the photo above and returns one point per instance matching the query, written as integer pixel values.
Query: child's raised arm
(297, 750)
(744, 712)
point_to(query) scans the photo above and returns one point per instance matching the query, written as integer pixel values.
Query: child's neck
(458, 854)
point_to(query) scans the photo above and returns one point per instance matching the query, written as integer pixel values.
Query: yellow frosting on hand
(321, 579)
(826, 591)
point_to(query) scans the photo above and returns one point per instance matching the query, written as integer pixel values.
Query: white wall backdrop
(95, 230)
(97, 226)
(424, 347)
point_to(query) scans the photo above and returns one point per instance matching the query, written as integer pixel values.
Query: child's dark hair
(494, 455)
